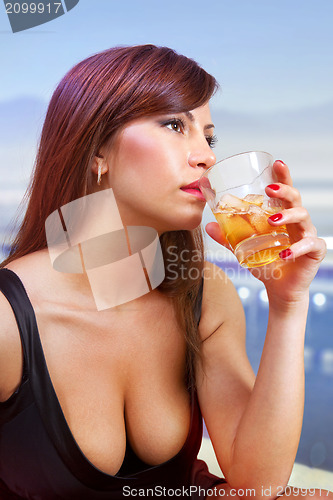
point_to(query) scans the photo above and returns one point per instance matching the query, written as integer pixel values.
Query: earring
(99, 175)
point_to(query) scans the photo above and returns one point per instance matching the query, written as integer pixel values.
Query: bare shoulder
(32, 269)
(220, 302)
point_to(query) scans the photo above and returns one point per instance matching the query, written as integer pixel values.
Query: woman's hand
(287, 280)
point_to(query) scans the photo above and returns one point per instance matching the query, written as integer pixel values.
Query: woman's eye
(212, 140)
(176, 125)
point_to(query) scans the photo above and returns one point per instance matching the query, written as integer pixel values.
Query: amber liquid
(244, 221)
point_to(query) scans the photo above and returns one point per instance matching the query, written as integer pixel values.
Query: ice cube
(256, 199)
(229, 201)
(258, 219)
(255, 210)
(272, 204)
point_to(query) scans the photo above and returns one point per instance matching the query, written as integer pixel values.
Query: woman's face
(150, 162)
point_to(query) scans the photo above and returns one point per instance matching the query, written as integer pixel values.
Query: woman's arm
(255, 426)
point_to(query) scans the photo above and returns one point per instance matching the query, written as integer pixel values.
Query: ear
(99, 161)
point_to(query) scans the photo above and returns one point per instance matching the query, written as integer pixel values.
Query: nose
(201, 156)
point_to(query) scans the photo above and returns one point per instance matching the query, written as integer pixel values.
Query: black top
(39, 457)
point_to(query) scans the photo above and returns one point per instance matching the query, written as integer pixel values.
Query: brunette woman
(104, 404)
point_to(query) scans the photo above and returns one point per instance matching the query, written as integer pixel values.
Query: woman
(122, 415)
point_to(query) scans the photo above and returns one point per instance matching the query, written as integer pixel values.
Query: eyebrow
(192, 119)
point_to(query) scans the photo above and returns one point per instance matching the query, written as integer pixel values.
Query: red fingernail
(275, 217)
(285, 253)
(275, 187)
(283, 163)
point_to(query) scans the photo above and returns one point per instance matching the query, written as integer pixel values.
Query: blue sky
(266, 54)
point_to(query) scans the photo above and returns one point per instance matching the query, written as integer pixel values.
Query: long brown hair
(94, 99)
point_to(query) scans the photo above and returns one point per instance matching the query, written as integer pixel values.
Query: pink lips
(194, 190)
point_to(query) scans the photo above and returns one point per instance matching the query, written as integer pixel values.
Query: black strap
(12, 288)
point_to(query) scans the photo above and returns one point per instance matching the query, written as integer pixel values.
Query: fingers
(282, 173)
(283, 188)
(215, 232)
(310, 246)
(289, 195)
(296, 215)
